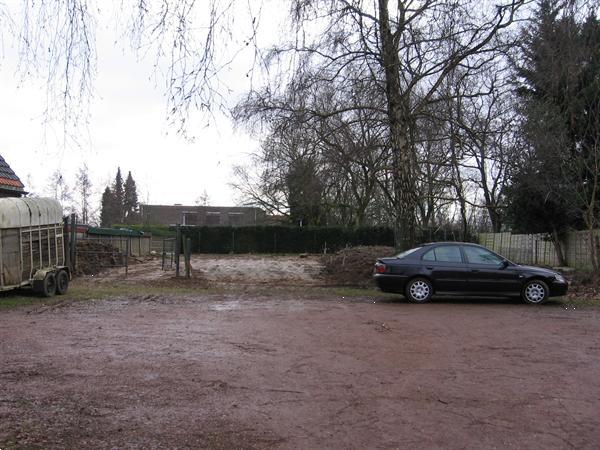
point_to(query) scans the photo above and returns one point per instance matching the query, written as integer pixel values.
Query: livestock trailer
(32, 246)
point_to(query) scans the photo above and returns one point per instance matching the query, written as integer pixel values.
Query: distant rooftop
(201, 215)
(10, 184)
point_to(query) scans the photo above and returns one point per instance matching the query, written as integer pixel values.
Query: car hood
(539, 270)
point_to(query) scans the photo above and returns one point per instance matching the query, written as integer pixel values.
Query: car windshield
(404, 254)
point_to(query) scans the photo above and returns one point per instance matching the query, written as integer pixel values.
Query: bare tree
(83, 187)
(58, 188)
(203, 199)
(401, 49)
(57, 43)
(489, 137)
(191, 43)
(350, 149)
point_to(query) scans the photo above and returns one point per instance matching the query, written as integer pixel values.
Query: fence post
(127, 250)
(73, 242)
(66, 243)
(162, 264)
(177, 248)
(187, 254)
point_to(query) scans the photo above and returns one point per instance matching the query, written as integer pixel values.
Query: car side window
(429, 256)
(444, 253)
(448, 253)
(478, 255)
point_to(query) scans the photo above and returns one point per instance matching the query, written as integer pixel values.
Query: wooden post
(162, 264)
(66, 244)
(177, 248)
(73, 245)
(188, 253)
(127, 250)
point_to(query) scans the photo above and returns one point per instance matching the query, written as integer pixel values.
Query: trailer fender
(40, 274)
(37, 281)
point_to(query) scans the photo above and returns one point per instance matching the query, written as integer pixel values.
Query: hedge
(282, 239)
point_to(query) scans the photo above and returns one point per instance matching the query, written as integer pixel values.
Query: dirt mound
(93, 257)
(353, 266)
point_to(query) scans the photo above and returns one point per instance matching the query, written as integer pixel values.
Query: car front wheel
(419, 290)
(535, 292)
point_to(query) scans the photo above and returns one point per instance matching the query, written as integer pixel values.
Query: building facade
(235, 216)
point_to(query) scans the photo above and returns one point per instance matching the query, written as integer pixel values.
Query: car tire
(49, 285)
(62, 282)
(419, 290)
(535, 292)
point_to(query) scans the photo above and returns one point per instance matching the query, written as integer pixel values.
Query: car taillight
(379, 268)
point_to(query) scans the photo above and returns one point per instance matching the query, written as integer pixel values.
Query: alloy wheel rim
(419, 290)
(535, 292)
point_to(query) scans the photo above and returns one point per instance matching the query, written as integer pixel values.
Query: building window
(189, 218)
(235, 218)
(213, 218)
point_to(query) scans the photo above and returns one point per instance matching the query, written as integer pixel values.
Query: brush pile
(95, 256)
(353, 266)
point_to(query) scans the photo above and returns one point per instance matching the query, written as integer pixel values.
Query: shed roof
(114, 232)
(8, 178)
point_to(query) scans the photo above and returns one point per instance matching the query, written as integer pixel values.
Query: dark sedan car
(460, 268)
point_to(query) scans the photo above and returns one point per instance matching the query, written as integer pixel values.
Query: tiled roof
(8, 178)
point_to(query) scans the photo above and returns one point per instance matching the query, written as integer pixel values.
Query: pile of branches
(584, 285)
(95, 256)
(353, 266)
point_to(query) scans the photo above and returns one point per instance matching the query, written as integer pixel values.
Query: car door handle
(429, 268)
(475, 270)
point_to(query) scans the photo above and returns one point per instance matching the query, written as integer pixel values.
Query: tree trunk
(495, 219)
(403, 161)
(558, 248)
(458, 183)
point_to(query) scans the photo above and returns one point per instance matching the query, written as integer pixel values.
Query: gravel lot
(297, 368)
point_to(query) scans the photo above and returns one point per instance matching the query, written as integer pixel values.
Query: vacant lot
(303, 366)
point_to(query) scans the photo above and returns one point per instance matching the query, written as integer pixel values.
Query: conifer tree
(107, 211)
(130, 200)
(119, 195)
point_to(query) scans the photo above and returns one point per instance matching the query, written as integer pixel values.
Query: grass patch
(85, 292)
(15, 299)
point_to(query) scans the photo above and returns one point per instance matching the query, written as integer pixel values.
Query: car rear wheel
(419, 290)
(535, 292)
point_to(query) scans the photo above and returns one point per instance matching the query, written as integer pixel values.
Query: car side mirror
(504, 264)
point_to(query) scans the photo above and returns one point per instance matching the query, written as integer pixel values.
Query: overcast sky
(127, 128)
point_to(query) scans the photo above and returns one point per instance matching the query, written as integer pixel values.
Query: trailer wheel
(49, 287)
(62, 282)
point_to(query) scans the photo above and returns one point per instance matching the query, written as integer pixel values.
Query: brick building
(10, 184)
(201, 215)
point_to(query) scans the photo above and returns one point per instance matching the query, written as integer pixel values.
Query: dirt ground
(300, 366)
(222, 270)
